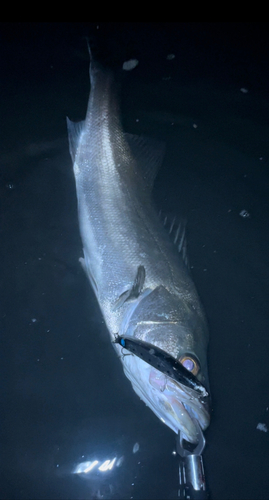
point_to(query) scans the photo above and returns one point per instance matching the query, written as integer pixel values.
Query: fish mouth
(183, 408)
(178, 406)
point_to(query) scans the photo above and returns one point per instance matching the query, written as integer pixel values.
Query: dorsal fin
(149, 154)
(177, 231)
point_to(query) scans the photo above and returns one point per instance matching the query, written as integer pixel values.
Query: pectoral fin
(133, 292)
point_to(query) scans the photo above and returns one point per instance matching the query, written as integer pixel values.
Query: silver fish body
(140, 280)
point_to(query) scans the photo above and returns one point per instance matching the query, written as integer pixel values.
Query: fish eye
(191, 363)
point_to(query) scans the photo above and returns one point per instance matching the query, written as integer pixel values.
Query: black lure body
(162, 361)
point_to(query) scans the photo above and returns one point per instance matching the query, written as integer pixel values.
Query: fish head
(180, 407)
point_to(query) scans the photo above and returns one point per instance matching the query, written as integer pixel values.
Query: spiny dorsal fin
(148, 154)
(177, 231)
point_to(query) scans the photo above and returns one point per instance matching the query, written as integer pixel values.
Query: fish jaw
(178, 407)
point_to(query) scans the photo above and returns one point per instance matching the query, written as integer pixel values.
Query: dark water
(65, 399)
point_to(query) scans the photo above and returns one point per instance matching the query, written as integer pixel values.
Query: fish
(139, 274)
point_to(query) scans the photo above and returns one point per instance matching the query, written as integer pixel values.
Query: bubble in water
(244, 213)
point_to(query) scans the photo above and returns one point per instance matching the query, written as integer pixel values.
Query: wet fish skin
(122, 235)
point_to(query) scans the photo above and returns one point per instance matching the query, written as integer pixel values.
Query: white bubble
(129, 65)
(135, 448)
(262, 427)
(244, 213)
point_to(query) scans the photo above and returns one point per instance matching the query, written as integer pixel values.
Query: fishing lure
(162, 361)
